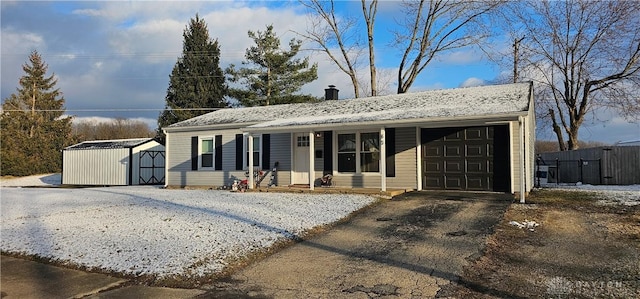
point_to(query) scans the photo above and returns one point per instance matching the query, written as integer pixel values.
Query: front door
(301, 159)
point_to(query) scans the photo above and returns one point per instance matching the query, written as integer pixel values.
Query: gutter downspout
(383, 160)
(523, 170)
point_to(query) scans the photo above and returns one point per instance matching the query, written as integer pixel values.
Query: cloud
(472, 82)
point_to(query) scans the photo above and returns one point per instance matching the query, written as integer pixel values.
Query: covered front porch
(354, 155)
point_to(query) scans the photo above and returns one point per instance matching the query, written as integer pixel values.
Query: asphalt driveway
(414, 246)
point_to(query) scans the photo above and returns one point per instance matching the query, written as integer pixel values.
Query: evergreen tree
(272, 75)
(34, 130)
(197, 81)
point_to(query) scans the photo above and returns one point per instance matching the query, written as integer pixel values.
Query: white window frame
(213, 152)
(245, 149)
(358, 153)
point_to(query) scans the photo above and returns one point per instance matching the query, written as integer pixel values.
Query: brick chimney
(331, 93)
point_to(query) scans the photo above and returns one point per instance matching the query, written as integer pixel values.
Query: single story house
(477, 138)
(138, 161)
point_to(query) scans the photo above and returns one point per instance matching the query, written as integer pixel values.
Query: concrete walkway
(413, 246)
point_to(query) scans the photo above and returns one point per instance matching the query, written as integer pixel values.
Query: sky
(113, 58)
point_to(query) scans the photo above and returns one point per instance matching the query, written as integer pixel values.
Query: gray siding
(179, 171)
(406, 177)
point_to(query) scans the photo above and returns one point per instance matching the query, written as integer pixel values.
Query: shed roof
(109, 144)
(446, 103)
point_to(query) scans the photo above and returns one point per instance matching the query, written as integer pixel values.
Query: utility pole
(516, 45)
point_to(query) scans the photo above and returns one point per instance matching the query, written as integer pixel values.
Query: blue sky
(117, 55)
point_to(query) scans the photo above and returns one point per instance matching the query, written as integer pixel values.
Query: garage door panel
(434, 166)
(454, 136)
(475, 134)
(433, 182)
(477, 182)
(477, 166)
(454, 166)
(476, 150)
(453, 151)
(433, 152)
(454, 182)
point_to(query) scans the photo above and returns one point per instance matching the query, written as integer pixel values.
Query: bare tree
(584, 55)
(369, 19)
(432, 27)
(339, 38)
(118, 128)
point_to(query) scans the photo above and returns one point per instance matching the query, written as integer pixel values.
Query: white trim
(522, 160)
(311, 160)
(358, 152)
(166, 159)
(292, 156)
(383, 159)
(511, 158)
(213, 153)
(418, 158)
(245, 150)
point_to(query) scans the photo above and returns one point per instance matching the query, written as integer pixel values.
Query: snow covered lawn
(145, 230)
(628, 195)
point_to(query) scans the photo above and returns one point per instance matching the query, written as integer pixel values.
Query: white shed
(137, 161)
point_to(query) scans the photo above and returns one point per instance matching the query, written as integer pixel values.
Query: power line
(111, 110)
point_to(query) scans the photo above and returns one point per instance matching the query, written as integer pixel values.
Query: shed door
(471, 158)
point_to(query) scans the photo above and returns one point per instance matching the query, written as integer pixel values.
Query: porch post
(418, 159)
(250, 168)
(311, 159)
(383, 160)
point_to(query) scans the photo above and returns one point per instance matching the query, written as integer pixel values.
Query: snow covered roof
(109, 144)
(446, 103)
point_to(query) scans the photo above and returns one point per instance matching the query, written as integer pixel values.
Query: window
(303, 141)
(362, 158)
(256, 151)
(370, 152)
(206, 153)
(346, 152)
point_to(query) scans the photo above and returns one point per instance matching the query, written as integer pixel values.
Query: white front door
(301, 159)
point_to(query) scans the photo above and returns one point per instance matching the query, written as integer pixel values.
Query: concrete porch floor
(332, 190)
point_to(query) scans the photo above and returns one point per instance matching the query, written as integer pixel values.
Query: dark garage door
(471, 158)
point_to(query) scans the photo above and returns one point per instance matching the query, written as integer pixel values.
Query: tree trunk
(556, 129)
(573, 138)
(369, 17)
(33, 111)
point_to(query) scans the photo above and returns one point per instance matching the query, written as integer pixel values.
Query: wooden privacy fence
(607, 165)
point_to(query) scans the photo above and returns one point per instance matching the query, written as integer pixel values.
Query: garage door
(471, 158)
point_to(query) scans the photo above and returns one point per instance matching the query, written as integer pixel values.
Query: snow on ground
(628, 195)
(148, 230)
(51, 179)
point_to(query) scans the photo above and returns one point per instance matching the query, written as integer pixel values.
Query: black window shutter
(266, 151)
(239, 152)
(194, 153)
(328, 155)
(390, 147)
(218, 152)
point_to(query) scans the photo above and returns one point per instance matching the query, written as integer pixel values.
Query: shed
(138, 161)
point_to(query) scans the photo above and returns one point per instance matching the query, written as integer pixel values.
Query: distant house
(114, 162)
(478, 138)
